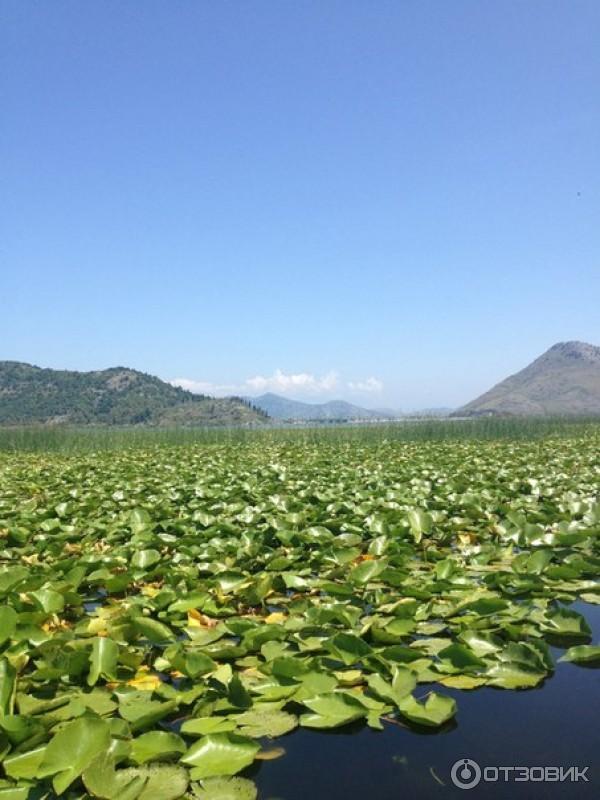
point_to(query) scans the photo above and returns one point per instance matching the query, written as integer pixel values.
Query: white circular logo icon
(465, 773)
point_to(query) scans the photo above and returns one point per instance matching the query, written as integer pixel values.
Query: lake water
(556, 724)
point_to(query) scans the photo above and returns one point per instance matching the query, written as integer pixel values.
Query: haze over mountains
(564, 380)
(116, 396)
(284, 408)
(287, 409)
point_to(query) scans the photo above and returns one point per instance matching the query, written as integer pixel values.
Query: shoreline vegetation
(73, 439)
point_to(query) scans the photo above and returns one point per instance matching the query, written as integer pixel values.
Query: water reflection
(556, 724)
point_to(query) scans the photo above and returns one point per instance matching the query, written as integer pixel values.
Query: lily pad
(225, 789)
(265, 722)
(435, 711)
(72, 749)
(156, 745)
(220, 754)
(332, 710)
(582, 654)
(149, 782)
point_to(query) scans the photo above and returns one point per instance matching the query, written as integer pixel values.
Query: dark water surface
(556, 724)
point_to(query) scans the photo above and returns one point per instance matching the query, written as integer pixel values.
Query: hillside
(115, 396)
(283, 408)
(564, 380)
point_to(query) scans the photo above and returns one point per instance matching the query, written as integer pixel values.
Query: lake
(556, 724)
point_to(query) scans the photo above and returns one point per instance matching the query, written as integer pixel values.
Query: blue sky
(393, 202)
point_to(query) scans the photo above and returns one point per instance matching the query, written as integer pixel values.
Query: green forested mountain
(115, 396)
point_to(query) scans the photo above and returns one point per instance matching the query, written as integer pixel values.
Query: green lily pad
(348, 648)
(103, 660)
(435, 711)
(8, 687)
(24, 765)
(72, 749)
(403, 683)
(332, 710)
(582, 654)
(156, 745)
(153, 630)
(149, 782)
(204, 725)
(225, 789)
(513, 676)
(260, 721)
(567, 623)
(220, 754)
(143, 559)
(8, 623)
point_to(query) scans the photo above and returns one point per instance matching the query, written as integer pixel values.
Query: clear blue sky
(404, 191)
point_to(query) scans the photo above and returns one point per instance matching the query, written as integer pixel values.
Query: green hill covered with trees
(115, 396)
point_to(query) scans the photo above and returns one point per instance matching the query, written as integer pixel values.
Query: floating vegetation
(167, 613)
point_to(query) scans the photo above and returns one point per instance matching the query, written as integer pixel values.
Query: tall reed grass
(76, 440)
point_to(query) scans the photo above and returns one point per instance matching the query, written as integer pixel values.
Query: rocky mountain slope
(564, 380)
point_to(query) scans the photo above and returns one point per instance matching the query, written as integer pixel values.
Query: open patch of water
(556, 724)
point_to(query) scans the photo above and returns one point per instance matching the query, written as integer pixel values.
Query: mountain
(564, 380)
(334, 411)
(116, 396)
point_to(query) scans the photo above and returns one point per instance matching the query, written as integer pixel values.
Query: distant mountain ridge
(114, 396)
(565, 380)
(283, 408)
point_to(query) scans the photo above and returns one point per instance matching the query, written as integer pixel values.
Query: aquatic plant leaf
(220, 754)
(225, 789)
(582, 654)
(260, 721)
(148, 782)
(435, 711)
(72, 749)
(103, 660)
(156, 745)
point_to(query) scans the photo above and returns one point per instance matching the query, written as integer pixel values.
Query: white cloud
(293, 383)
(205, 387)
(283, 383)
(370, 384)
